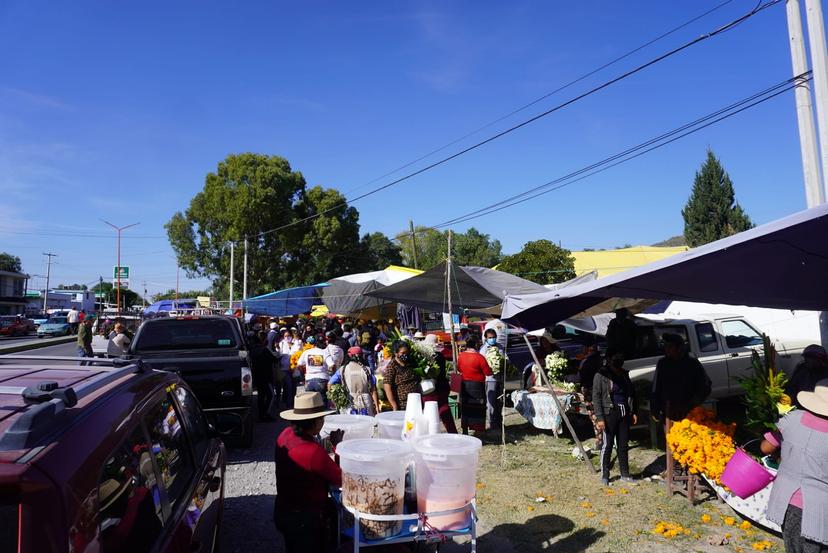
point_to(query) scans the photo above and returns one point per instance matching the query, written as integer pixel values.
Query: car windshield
(56, 321)
(171, 334)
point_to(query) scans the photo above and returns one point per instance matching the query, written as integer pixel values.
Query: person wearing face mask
(494, 386)
(474, 369)
(613, 398)
(399, 380)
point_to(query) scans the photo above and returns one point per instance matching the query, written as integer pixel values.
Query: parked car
(105, 458)
(14, 325)
(210, 354)
(723, 344)
(39, 319)
(55, 326)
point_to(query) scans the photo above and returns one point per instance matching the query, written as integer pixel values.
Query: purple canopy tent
(782, 264)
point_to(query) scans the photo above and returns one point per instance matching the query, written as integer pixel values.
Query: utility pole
(118, 270)
(413, 242)
(49, 257)
(177, 274)
(450, 306)
(244, 279)
(232, 260)
(819, 65)
(144, 299)
(804, 109)
(100, 291)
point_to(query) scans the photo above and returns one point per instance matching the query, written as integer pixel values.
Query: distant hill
(671, 242)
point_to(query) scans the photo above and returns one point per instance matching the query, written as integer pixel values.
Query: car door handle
(734, 355)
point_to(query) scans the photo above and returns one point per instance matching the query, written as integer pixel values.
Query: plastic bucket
(355, 426)
(390, 424)
(446, 477)
(373, 481)
(744, 475)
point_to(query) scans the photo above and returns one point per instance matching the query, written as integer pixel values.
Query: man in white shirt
(73, 318)
(334, 356)
(312, 362)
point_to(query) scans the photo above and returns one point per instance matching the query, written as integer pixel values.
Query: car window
(739, 334)
(171, 451)
(186, 334)
(129, 502)
(707, 337)
(648, 338)
(57, 321)
(194, 421)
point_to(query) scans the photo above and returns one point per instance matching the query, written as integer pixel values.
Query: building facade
(13, 293)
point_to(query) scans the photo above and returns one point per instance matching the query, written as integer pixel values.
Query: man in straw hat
(799, 498)
(304, 472)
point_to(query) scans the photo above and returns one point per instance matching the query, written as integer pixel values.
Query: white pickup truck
(723, 344)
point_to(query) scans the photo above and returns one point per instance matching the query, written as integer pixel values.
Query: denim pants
(318, 385)
(287, 388)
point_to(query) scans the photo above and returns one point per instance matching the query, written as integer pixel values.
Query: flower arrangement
(556, 364)
(495, 359)
(701, 443)
(294, 357)
(765, 399)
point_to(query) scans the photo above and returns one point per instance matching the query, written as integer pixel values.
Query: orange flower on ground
(670, 529)
(763, 545)
(530, 508)
(701, 443)
(745, 525)
(730, 521)
(706, 518)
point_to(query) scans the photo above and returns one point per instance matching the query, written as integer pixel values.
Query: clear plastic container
(390, 424)
(446, 476)
(373, 481)
(355, 426)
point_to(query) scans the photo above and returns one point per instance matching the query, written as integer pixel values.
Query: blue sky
(113, 110)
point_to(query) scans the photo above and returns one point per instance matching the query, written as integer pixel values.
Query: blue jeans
(318, 385)
(83, 352)
(370, 357)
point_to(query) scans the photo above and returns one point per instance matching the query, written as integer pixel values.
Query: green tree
(540, 261)
(468, 248)
(128, 297)
(9, 262)
(381, 251)
(72, 287)
(712, 211)
(170, 294)
(250, 195)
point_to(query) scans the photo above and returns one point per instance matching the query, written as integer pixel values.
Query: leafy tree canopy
(72, 287)
(712, 212)
(128, 297)
(468, 248)
(381, 251)
(540, 261)
(170, 294)
(250, 195)
(9, 262)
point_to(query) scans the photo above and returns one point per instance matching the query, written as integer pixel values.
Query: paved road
(69, 349)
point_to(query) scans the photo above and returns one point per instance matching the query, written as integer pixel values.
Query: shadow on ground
(541, 533)
(247, 526)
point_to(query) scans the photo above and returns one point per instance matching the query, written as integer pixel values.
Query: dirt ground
(534, 495)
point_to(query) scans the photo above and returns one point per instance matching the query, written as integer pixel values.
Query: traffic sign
(124, 282)
(124, 272)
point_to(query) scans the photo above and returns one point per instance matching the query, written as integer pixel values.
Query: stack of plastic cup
(431, 412)
(413, 417)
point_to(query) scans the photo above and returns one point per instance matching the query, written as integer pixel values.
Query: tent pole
(451, 313)
(587, 460)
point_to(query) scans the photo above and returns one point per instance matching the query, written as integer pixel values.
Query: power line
(722, 29)
(548, 94)
(636, 151)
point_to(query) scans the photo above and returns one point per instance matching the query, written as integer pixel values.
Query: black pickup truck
(209, 353)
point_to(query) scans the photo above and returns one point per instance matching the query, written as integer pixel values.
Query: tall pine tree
(712, 212)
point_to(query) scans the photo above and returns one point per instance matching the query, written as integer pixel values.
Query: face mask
(403, 357)
(491, 341)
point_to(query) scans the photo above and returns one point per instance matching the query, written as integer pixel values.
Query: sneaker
(605, 481)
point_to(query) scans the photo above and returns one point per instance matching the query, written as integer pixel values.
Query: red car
(109, 458)
(15, 326)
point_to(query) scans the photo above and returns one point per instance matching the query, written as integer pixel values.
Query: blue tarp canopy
(170, 305)
(283, 303)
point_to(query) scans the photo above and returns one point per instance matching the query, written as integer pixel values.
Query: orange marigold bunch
(294, 357)
(701, 443)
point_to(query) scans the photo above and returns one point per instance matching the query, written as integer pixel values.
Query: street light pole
(118, 269)
(232, 263)
(49, 257)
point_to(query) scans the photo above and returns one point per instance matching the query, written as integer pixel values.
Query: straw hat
(307, 405)
(419, 335)
(816, 401)
(109, 491)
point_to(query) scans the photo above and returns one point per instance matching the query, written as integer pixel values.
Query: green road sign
(124, 272)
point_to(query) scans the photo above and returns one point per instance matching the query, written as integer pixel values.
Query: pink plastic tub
(744, 475)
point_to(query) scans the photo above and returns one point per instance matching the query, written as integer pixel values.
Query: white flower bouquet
(556, 364)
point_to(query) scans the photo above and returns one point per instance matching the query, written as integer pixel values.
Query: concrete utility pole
(804, 109)
(819, 65)
(244, 279)
(49, 257)
(232, 261)
(118, 270)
